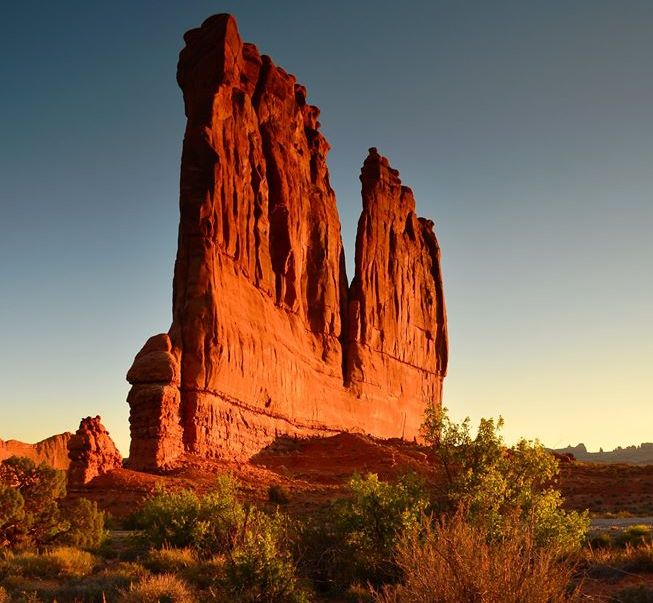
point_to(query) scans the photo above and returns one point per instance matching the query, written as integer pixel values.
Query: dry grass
(159, 587)
(170, 560)
(615, 561)
(454, 563)
(62, 562)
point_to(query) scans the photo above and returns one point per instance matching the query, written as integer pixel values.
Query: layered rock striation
(267, 336)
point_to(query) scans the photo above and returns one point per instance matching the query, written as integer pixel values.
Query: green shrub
(260, 568)
(455, 561)
(370, 522)
(84, 524)
(181, 519)
(31, 494)
(164, 588)
(493, 483)
(12, 516)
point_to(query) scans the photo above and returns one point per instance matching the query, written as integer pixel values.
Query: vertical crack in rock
(267, 338)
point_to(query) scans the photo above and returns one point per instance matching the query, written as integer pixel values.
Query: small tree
(12, 516)
(84, 524)
(370, 522)
(31, 510)
(495, 483)
(40, 487)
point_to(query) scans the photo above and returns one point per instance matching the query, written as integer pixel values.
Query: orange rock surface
(92, 452)
(267, 337)
(52, 451)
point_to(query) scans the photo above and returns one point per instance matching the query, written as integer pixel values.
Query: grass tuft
(61, 562)
(170, 560)
(159, 587)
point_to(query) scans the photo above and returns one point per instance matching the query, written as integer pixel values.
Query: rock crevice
(267, 336)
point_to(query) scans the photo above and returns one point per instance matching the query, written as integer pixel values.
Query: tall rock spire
(259, 344)
(397, 332)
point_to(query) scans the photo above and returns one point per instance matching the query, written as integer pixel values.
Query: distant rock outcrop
(92, 452)
(267, 337)
(52, 451)
(635, 455)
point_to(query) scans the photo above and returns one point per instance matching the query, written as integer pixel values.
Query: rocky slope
(267, 337)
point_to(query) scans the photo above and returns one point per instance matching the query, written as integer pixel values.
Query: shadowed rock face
(267, 339)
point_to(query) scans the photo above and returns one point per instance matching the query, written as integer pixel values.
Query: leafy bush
(83, 524)
(260, 568)
(37, 518)
(181, 519)
(255, 565)
(371, 521)
(160, 587)
(12, 516)
(495, 483)
(31, 512)
(452, 561)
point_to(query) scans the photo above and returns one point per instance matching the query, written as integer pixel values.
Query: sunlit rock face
(91, 452)
(52, 451)
(267, 337)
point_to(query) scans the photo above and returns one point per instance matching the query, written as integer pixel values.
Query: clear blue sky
(524, 128)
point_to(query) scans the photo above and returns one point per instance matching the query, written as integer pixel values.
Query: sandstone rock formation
(92, 452)
(397, 343)
(267, 337)
(52, 451)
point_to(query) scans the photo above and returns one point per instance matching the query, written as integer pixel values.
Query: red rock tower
(267, 339)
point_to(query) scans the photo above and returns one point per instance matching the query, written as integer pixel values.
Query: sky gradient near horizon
(525, 130)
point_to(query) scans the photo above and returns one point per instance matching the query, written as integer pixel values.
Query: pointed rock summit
(91, 452)
(267, 337)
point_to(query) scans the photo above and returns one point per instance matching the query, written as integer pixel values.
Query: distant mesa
(268, 337)
(635, 455)
(52, 451)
